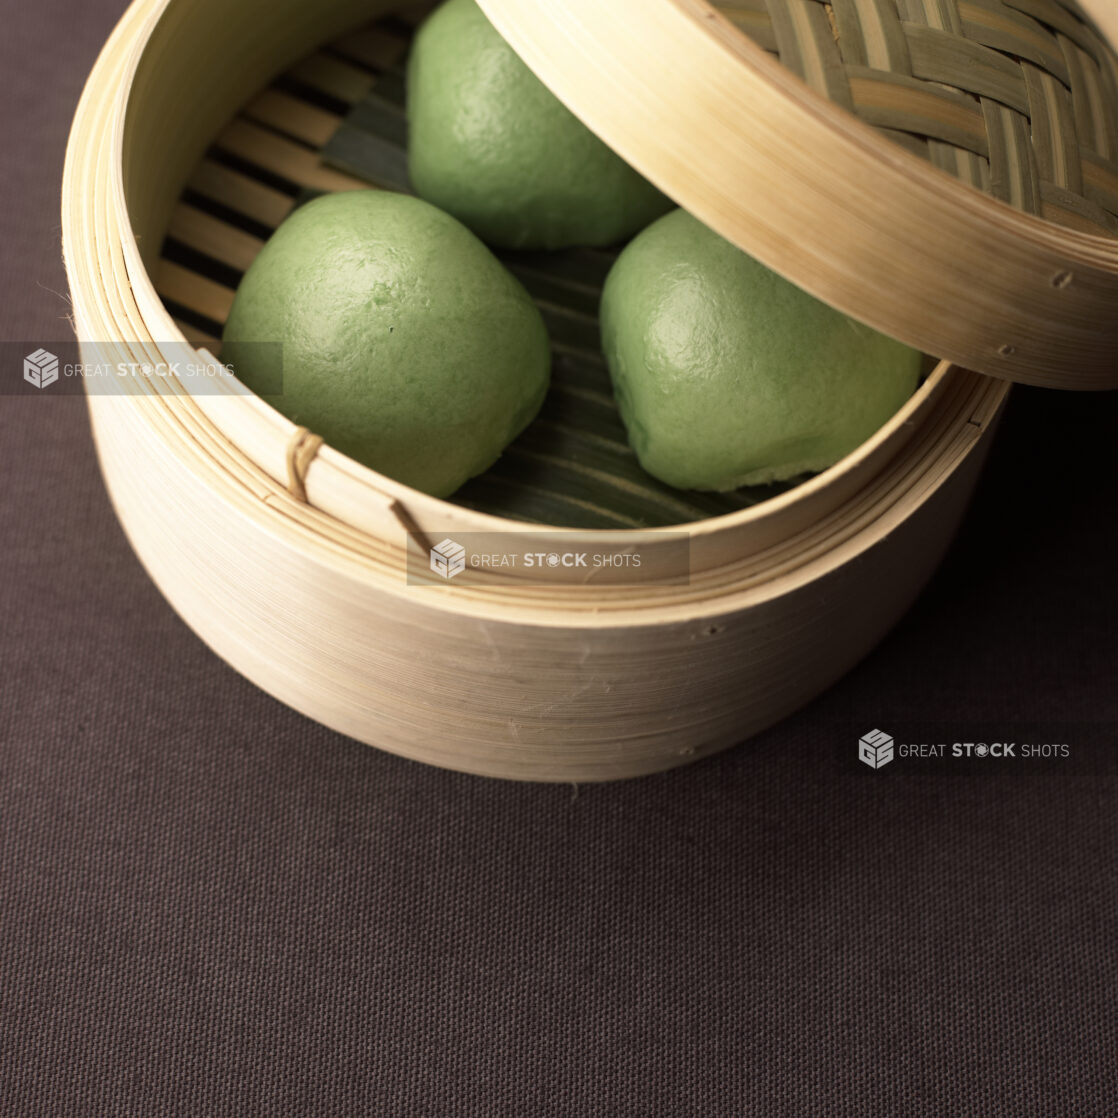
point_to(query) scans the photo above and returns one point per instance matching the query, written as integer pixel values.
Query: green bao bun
(728, 375)
(406, 344)
(490, 144)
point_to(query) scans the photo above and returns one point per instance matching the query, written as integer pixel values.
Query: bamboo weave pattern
(1019, 98)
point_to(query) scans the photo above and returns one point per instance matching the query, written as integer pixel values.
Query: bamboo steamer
(289, 559)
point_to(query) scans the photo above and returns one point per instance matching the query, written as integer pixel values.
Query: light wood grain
(292, 161)
(241, 193)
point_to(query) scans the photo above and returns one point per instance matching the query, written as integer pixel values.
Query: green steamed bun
(728, 375)
(490, 144)
(406, 344)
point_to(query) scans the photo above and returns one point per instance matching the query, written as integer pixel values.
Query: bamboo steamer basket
(289, 559)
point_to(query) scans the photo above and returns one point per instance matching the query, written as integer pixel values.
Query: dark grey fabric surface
(211, 906)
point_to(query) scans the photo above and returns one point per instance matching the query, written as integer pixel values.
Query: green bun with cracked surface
(406, 344)
(728, 375)
(490, 144)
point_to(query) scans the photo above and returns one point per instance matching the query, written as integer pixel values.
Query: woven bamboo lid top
(945, 170)
(1018, 98)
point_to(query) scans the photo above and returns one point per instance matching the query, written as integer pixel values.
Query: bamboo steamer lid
(944, 170)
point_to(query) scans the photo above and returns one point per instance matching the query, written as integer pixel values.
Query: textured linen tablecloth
(211, 906)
